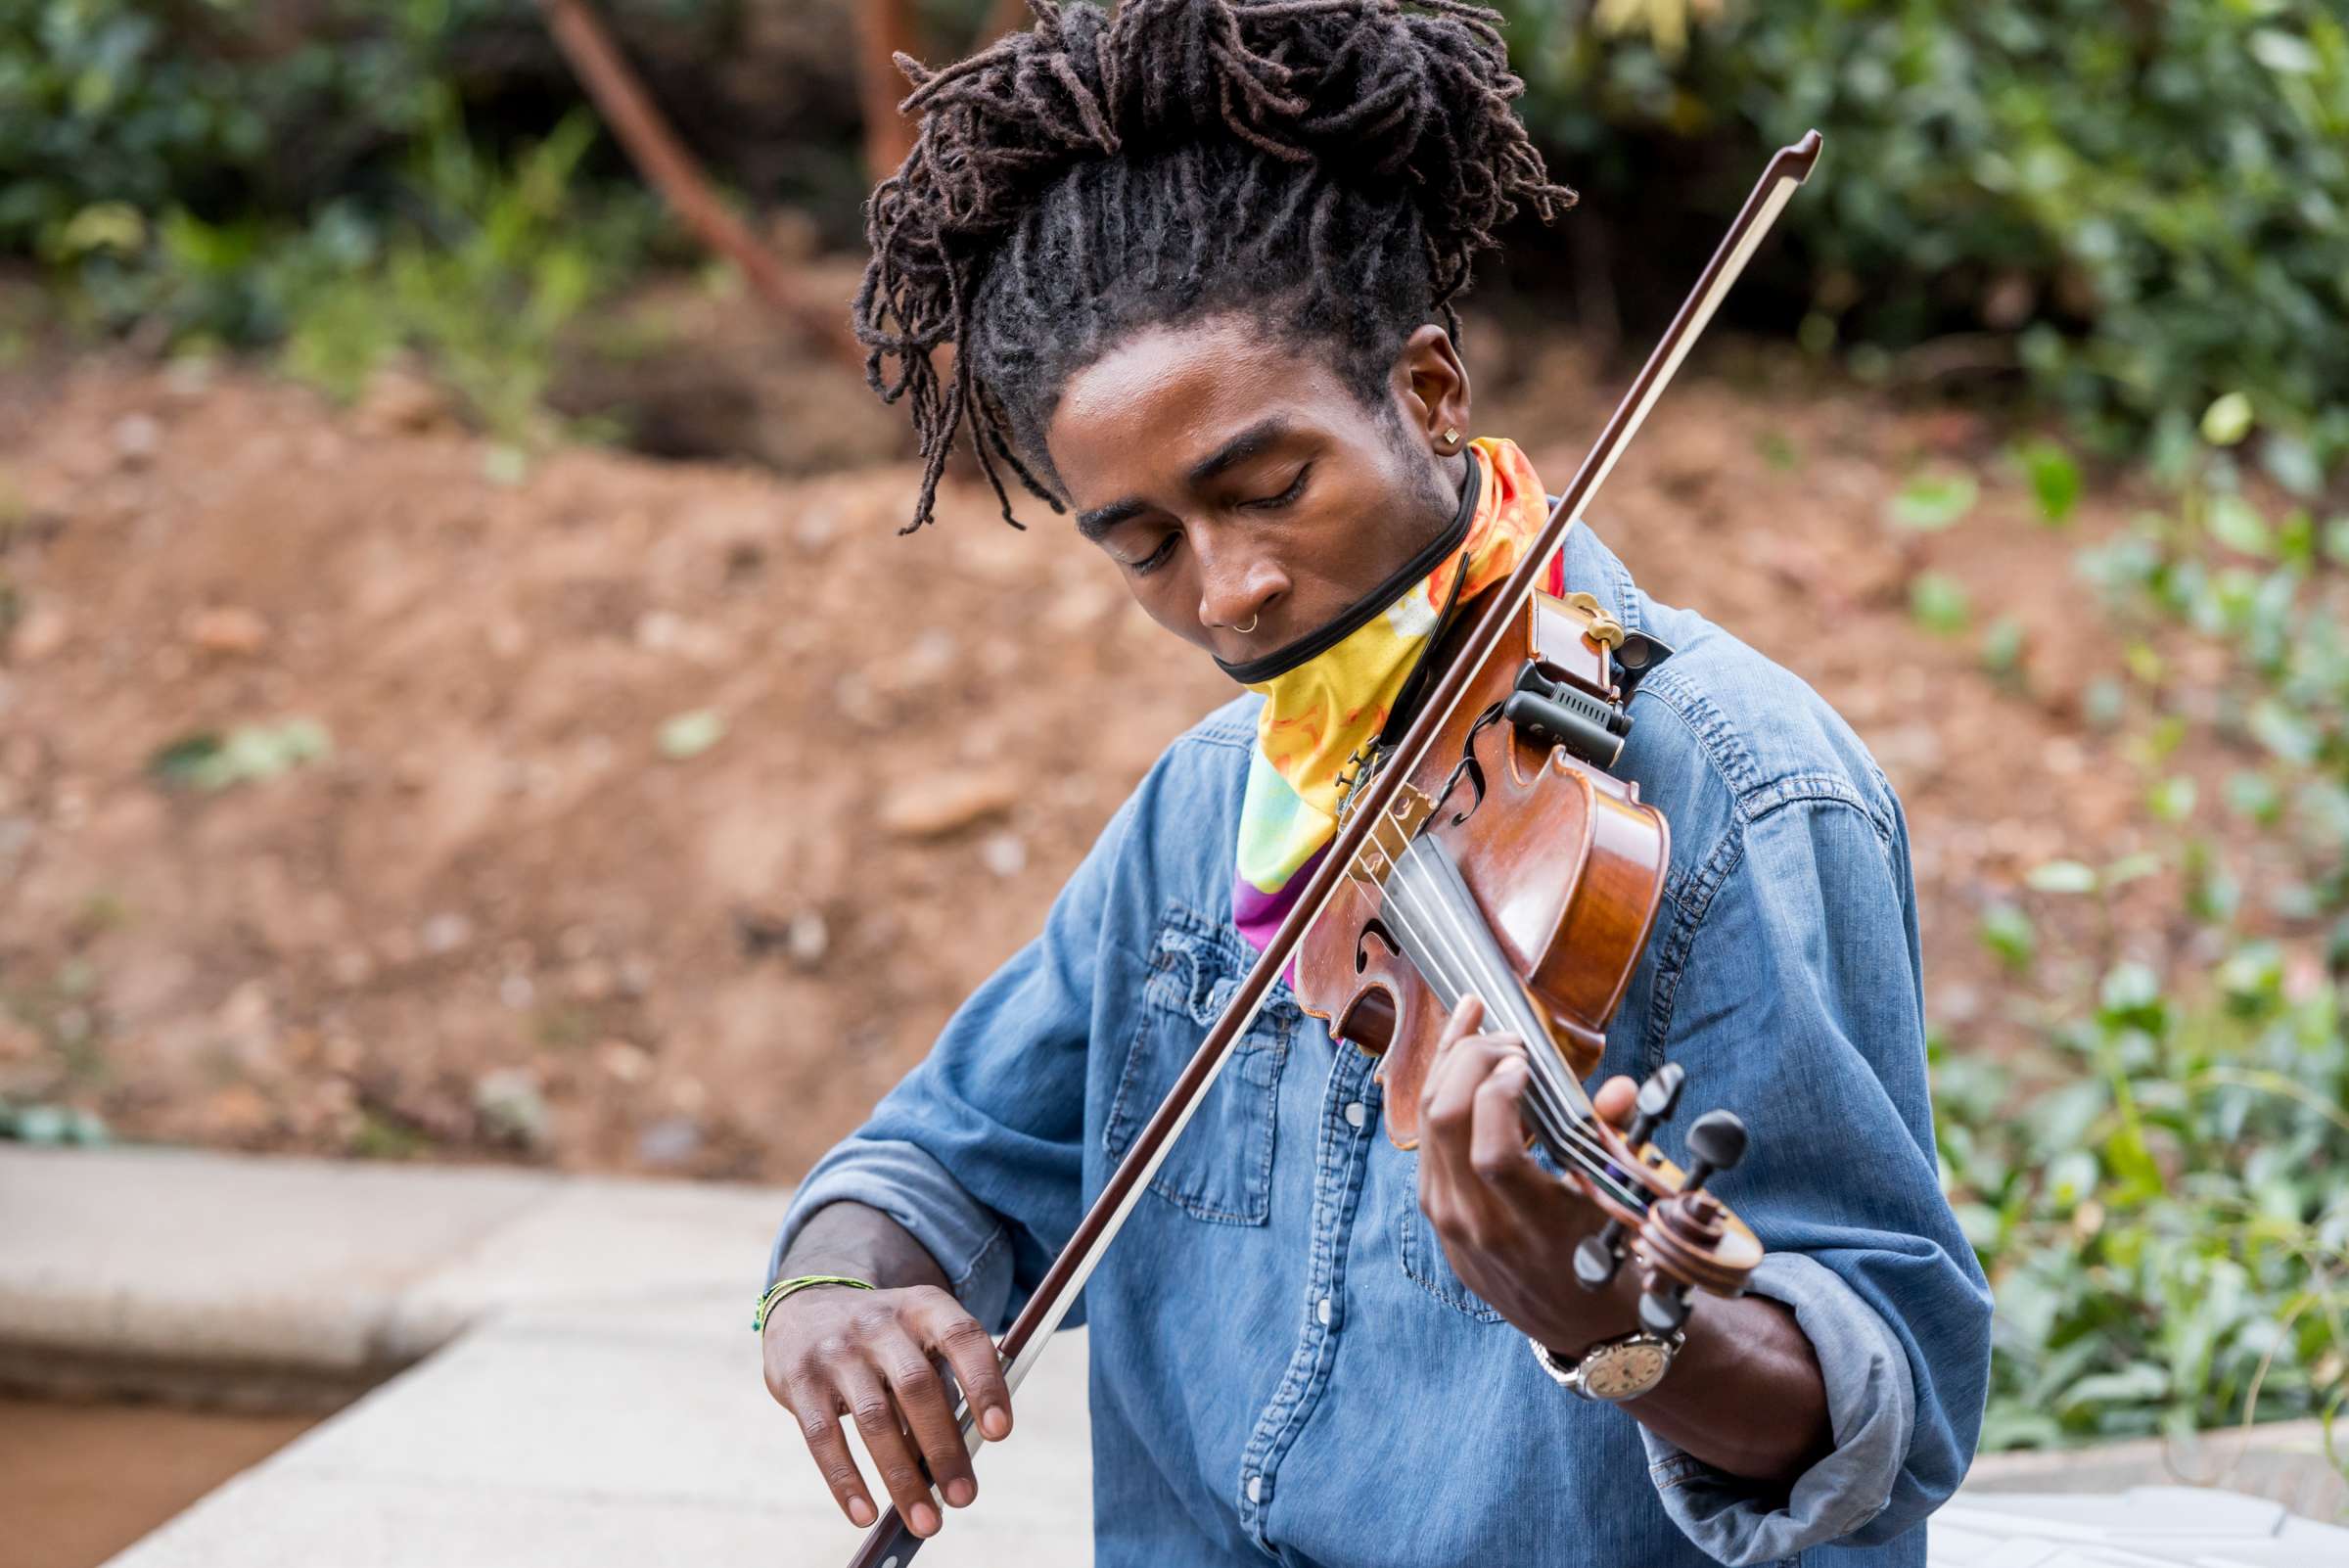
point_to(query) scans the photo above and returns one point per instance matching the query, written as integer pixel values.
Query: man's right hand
(830, 1348)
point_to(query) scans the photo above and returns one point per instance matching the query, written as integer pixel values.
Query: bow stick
(889, 1544)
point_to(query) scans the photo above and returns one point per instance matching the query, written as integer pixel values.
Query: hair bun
(1409, 103)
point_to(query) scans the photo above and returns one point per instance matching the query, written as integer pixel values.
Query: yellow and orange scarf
(1318, 716)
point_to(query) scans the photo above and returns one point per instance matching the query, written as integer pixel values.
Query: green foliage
(2145, 201)
(509, 256)
(2162, 1203)
(1931, 502)
(239, 175)
(40, 1123)
(210, 761)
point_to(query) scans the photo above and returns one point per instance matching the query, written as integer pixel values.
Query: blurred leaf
(2226, 419)
(689, 734)
(2173, 798)
(2140, 1383)
(2288, 734)
(2054, 477)
(1938, 603)
(2236, 523)
(2063, 876)
(1931, 502)
(1777, 450)
(207, 760)
(505, 464)
(2003, 644)
(2286, 52)
(2292, 463)
(2007, 932)
(2255, 796)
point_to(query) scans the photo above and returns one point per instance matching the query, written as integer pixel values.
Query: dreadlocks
(1329, 166)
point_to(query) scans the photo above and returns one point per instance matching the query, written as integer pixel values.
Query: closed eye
(1155, 559)
(1273, 503)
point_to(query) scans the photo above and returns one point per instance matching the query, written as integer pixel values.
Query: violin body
(1565, 864)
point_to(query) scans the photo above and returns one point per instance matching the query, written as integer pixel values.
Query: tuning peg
(1662, 1310)
(1657, 1097)
(1596, 1257)
(1714, 1144)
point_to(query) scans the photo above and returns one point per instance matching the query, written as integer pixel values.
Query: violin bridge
(1391, 835)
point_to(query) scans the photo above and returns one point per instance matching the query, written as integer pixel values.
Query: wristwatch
(1613, 1370)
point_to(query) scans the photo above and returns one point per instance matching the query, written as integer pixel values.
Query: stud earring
(1451, 436)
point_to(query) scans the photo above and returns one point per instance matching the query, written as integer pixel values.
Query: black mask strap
(1313, 644)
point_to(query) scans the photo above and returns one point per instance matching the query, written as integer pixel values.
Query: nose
(1237, 585)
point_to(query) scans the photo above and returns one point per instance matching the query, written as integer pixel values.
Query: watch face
(1623, 1372)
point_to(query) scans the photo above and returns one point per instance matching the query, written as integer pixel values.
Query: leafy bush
(2164, 1205)
(2149, 198)
(319, 188)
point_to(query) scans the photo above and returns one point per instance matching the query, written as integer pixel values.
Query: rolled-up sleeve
(979, 1151)
(1796, 1003)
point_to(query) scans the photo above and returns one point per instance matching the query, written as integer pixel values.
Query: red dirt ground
(498, 921)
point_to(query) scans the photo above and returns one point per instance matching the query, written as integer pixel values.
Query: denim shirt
(1285, 1366)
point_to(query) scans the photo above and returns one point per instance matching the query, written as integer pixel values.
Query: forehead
(1167, 396)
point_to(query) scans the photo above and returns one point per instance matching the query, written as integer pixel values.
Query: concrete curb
(279, 1272)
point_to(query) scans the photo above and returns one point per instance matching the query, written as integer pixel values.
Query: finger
(1615, 1100)
(1447, 1103)
(1496, 1142)
(928, 1407)
(819, 1423)
(945, 1327)
(876, 1417)
(1460, 1025)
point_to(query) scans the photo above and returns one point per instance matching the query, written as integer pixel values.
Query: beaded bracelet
(781, 1289)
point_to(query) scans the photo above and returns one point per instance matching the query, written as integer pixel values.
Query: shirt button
(1321, 1310)
(1255, 1489)
(1357, 1113)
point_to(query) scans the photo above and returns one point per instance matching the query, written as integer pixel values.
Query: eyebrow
(1252, 442)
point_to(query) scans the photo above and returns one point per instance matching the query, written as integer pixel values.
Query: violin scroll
(1688, 1239)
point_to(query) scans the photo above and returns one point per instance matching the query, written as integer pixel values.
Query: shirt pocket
(1421, 1253)
(1221, 1169)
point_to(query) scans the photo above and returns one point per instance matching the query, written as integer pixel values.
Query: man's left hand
(1508, 1226)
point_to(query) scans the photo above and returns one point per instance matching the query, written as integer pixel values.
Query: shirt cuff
(969, 1242)
(1872, 1408)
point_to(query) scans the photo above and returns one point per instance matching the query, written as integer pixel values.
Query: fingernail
(925, 1519)
(995, 1423)
(960, 1492)
(860, 1513)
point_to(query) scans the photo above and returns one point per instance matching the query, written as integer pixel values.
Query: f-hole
(1368, 1024)
(1361, 959)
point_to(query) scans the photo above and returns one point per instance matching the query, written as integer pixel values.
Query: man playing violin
(1196, 264)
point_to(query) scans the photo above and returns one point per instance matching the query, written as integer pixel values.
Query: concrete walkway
(582, 1385)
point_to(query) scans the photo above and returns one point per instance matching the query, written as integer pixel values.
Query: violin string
(1565, 1129)
(1407, 886)
(1548, 1069)
(1479, 956)
(1404, 899)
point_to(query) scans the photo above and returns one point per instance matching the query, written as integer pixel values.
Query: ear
(1431, 387)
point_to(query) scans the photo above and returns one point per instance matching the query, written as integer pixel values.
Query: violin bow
(889, 1544)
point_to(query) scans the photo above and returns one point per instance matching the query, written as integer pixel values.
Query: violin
(1510, 865)
(1486, 852)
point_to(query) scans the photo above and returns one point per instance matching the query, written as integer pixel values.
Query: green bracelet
(777, 1292)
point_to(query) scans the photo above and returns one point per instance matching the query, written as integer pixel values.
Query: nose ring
(1250, 626)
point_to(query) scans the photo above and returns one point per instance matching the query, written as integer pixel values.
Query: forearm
(862, 1243)
(1744, 1394)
